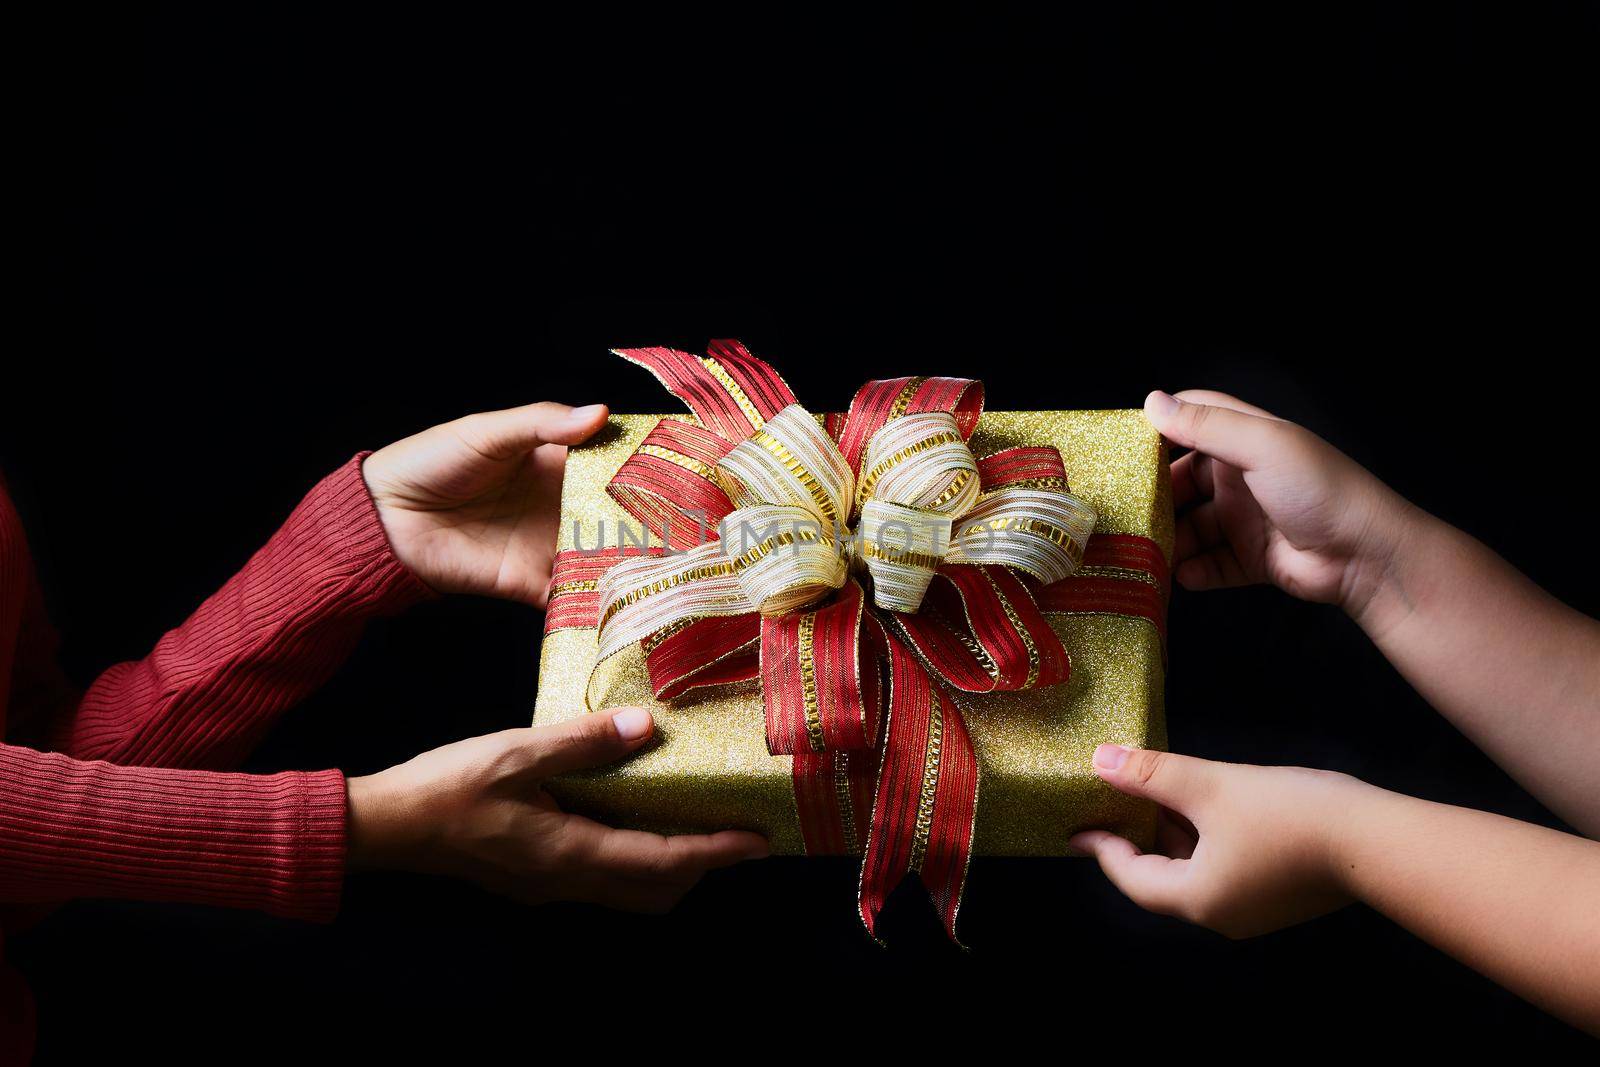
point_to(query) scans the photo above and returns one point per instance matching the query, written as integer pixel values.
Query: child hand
(476, 809)
(1263, 500)
(1245, 850)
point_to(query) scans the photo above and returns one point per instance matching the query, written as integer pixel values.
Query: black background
(258, 241)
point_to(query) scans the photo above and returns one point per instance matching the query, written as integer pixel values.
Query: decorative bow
(774, 525)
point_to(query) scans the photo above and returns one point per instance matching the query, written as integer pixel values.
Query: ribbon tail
(819, 677)
(833, 796)
(927, 796)
(949, 850)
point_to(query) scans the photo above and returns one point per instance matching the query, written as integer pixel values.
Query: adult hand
(472, 506)
(476, 809)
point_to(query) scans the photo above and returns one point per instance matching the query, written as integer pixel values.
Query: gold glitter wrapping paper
(708, 767)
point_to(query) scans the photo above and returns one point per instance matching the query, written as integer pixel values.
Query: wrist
(389, 507)
(1354, 820)
(1373, 593)
(380, 826)
(382, 502)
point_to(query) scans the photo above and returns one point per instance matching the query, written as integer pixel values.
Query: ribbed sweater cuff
(71, 828)
(340, 508)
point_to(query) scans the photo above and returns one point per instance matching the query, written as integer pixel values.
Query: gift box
(711, 764)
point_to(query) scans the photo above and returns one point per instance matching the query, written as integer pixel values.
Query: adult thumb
(513, 431)
(587, 741)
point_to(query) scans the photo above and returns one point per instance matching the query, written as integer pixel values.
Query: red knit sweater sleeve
(73, 828)
(275, 632)
(116, 809)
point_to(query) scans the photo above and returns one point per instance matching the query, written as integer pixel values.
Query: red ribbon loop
(705, 652)
(981, 631)
(667, 484)
(879, 401)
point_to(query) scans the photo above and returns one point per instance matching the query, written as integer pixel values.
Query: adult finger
(657, 857)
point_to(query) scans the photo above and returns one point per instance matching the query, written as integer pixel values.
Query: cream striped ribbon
(803, 521)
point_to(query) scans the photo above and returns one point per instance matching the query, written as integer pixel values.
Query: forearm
(1513, 668)
(1514, 901)
(274, 633)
